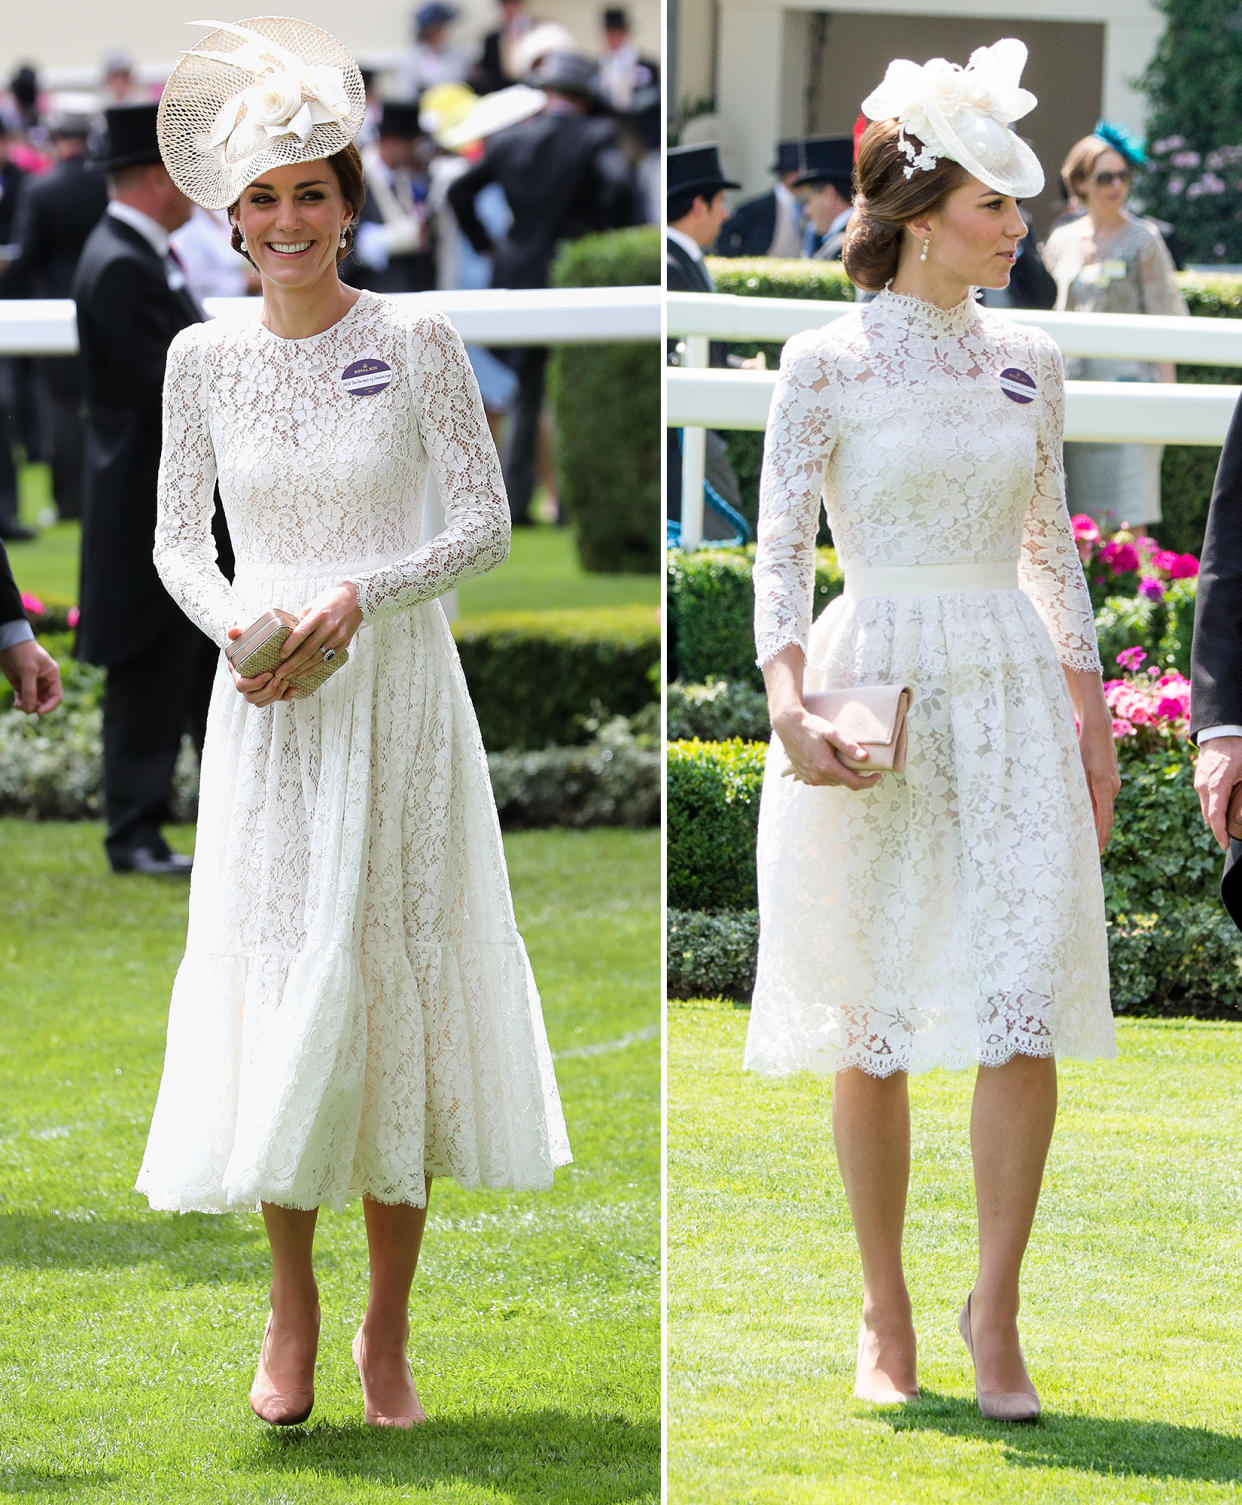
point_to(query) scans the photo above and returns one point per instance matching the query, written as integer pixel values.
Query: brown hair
(885, 199)
(1080, 161)
(347, 165)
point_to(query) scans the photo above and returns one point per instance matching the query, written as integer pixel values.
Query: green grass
(542, 573)
(128, 1338)
(1131, 1297)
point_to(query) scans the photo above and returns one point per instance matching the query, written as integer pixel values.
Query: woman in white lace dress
(355, 1013)
(953, 915)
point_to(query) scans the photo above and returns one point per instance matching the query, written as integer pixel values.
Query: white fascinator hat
(963, 114)
(263, 93)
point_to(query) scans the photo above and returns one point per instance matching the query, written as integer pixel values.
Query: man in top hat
(696, 207)
(54, 215)
(495, 68)
(625, 76)
(824, 185)
(131, 300)
(393, 250)
(771, 224)
(565, 176)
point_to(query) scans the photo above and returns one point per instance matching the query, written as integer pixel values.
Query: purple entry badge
(1018, 386)
(366, 377)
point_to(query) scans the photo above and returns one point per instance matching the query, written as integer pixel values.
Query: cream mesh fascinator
(264, 93)
(964, 114)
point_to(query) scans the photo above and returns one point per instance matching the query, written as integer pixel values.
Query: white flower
(274, 100)
(283, 102)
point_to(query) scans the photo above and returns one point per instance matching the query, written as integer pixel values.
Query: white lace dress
(355, 1009)
(954, 913)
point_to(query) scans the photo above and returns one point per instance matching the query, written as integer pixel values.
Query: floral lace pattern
(954, 913)
(355, 1009)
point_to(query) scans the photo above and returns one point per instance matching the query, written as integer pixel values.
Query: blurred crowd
(479, 165)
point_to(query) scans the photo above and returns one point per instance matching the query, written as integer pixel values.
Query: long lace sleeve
(453, 428)
(798, 442)
(185, 551)
(1049, 569)
(1157, 279)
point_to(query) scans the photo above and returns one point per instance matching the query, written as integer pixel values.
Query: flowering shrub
(1148, 704)
(1119, 564)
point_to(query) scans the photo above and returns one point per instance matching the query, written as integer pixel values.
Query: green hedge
(605, 401)
(711, 609)
(1171, 947)
(1162, 628)
(712, 792)
(711, 955)
(538, 677)
(1187, 470)
(716, 711)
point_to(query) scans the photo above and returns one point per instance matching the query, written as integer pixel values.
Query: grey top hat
(566, 73)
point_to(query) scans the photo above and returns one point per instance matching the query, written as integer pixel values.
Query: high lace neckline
(929, 318)
(364, 298)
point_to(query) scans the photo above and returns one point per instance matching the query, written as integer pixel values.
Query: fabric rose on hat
(281, 103)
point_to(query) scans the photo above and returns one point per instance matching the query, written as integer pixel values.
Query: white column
(1128, 48)
(750, 86)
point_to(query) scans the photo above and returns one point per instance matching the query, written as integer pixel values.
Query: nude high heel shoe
(411, 1416)
(998, 1405)
(878, 1389)
(279, 1408)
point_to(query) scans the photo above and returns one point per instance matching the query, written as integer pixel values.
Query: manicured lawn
(542, 572)
(128, 1338)
(1130, 1317)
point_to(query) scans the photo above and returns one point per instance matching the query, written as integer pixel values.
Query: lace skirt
(953, 914)
(355, 1010)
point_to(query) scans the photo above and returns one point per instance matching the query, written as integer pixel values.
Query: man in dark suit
(132, 299)
(771, 224)
(55, 214)
(565, 175)
(27, 666)
(393, 250)
(696, 187)
(825, 188)
(494, 68)
(1216, 661)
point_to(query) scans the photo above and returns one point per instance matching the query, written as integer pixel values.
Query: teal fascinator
(1130, 147)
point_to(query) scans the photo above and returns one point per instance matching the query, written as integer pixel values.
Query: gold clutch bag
(259, 648)
(874, 715)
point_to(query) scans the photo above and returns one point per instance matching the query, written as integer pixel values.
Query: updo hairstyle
(885, 200)
(347, 165)
(1080, 162)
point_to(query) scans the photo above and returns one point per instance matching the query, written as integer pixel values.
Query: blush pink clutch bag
(258, 651)
(874, 715)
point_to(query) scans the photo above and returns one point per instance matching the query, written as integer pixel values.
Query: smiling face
(292, 219)
(974, 234)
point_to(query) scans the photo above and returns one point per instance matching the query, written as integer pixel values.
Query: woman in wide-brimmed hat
(355, 1013)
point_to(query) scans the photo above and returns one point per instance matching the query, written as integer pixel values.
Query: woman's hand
(1099, 761)
(812, 745)
(264, 688)
(329, 621)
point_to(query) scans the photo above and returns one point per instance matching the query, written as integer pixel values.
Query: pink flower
(1164, 559)
(1121, 558)
(1130, 658)
(72, 617)
(1152, 588)
(32, 605)
(1172, 707)
(1086, 530)
(1121, 729)
(1185, 567)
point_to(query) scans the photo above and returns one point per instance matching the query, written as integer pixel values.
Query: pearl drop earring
(242, 245)
(923, 252)
(344, 242)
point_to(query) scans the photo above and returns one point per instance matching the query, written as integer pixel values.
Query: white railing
(494, 316)
(698, 398)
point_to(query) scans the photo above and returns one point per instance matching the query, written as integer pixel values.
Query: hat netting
(199, 86)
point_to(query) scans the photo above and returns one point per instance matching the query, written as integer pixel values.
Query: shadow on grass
(546, 1457)
(1090, 1444)
(193, 1247)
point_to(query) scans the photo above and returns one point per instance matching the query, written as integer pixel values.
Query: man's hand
(34, 675)
(1218, 769)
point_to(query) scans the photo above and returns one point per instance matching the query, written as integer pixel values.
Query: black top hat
(824, 159)
(130, 138)
(566, 73)
(615, 19)
(399, 117)
(696, 169)
(786, 156)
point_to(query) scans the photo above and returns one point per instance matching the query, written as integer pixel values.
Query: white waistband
(930, 579)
